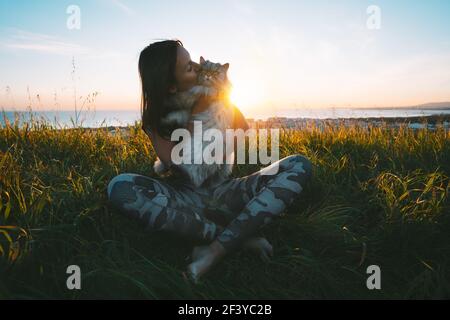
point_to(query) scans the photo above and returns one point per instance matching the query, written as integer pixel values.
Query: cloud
(123, 7)
(19, 34)
(24, 40)
(53, 47)
(17, 39)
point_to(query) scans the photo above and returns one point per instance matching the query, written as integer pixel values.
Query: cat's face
(210, 70)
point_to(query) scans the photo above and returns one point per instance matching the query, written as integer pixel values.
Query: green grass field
(379, 196)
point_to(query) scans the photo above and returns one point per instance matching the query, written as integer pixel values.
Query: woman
(228, 214)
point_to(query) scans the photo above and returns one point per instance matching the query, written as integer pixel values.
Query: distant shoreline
(395, 108)
(430, 120)
(429, 106)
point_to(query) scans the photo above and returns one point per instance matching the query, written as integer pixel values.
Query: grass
(379, 196)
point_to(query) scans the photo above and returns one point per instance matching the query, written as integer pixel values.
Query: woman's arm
(163, 147)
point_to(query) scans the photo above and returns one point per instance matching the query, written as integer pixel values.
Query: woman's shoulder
(239, 119)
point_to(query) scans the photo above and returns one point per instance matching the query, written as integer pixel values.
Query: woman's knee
(120, 189)
(301, 164)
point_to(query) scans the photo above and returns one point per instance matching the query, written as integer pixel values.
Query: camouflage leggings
(230, 212)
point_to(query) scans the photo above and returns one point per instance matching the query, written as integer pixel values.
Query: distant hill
(435, 105)
(431, 105)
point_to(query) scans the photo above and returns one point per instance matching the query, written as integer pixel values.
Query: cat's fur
(218, 115)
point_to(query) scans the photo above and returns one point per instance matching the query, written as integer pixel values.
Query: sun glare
(247, 94)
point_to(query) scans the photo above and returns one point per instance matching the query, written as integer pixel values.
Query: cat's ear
(226, 66)
(202, 60)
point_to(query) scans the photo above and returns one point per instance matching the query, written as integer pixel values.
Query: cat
(219, 115)
(178, 106)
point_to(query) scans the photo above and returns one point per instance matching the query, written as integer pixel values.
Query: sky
(282, 54)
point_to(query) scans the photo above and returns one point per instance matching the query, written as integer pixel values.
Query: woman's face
(185, 71)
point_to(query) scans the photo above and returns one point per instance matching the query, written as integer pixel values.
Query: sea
(120, 118)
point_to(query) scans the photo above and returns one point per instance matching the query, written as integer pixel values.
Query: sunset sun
(247, 93)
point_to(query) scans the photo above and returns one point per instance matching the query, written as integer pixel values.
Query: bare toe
(202, 261)
(198, 252)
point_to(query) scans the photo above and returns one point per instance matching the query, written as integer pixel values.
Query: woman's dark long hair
(157, 72)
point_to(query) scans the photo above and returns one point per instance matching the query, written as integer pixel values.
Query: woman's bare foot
(203, 258)
(261, 246)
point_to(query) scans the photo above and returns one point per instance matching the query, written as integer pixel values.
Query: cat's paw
(212, 92)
